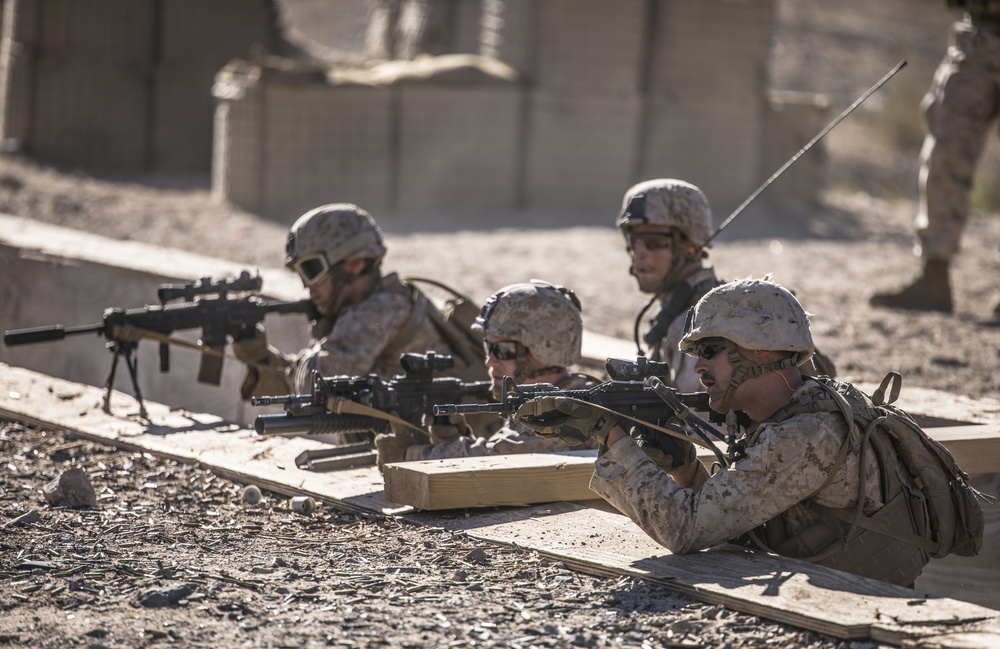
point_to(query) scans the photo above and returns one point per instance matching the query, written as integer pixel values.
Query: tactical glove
(575, 422)
(252, 347)
(446, 429)
(666, 451)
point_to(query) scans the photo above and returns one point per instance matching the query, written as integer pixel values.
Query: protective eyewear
(312, 268)
(505, 350)
(650, 240)
(707, 349)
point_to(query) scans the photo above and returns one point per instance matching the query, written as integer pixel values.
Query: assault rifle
(367, 404)
(635, 390)
(203, 304)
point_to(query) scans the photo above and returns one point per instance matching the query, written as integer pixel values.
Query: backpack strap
(460, 344)
(420, 305)
(682, 297)
(893, 381)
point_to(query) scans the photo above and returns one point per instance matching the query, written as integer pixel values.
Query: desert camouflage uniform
(369, 337)
(785, 464)
(510, 440)
(357, 340)
(961, 106)
(363, 339)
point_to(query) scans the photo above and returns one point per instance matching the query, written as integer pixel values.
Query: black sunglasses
(709, 348)
(505, 350)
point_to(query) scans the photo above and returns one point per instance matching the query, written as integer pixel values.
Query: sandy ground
(174, 556)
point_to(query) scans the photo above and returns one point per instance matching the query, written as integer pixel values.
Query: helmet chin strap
(340, 278)
(523, 369)
(682, 255)
(743, 369)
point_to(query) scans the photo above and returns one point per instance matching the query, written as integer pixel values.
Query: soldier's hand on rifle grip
(666, 451)
(573, 421)
(252, 348)
(447, 428)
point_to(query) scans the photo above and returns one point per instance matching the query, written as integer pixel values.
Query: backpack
(454, 320)
(944, 506)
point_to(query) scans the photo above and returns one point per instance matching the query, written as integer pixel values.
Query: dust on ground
(174, 555)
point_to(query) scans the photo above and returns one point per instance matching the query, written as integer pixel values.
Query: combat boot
(929, 292)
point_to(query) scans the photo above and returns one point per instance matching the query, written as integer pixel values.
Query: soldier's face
(324, 296)
(652, 252)
(501, 361)
(714, 370)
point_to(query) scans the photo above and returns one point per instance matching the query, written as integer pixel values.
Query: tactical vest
(890, 544)
(684, 296)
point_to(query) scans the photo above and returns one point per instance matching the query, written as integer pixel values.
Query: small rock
(160, 597)
(24, 519)
(477, 556)
(71, 489)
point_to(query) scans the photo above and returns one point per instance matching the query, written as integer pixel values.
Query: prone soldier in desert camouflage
(365, 319)
(532, 332)
(801, 468)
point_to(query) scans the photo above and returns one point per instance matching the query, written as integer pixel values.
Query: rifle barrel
(46, 334)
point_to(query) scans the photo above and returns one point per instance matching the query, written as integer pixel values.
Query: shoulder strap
(460, 343)
(683, 296)
(419, 307)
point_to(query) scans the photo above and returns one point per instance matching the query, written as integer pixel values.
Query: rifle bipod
(127, 350)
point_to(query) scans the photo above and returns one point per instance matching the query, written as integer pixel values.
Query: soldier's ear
(355, 266)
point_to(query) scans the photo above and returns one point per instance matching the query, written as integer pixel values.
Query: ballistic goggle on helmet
(667, 202)
(543, 317)
(327, 235)
(754, 314)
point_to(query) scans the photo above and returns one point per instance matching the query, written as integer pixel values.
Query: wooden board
(490, 481)
(592, 540)
(793, 592)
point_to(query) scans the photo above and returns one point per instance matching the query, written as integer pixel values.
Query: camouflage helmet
(668, 202)
(545, 318)
(754, 314)
(339, 230)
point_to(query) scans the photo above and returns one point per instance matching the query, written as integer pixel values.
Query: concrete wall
(608, 92)
(121, 84)
(57, 276)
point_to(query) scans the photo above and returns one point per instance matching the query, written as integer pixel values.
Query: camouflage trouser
(959, 110)
(504, 442)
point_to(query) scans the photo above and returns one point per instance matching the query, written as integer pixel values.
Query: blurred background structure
(415, 107)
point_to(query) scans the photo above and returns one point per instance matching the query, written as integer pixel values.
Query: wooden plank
(597, 541)
(976, 448)
(793, 592)
(490, 481)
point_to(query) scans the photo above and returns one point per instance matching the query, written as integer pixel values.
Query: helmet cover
(754, 314)
(338, 230)
(671, 203)
(545, 318)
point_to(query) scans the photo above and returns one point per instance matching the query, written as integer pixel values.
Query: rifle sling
(130, 334)
(641, 422)
(339, 406)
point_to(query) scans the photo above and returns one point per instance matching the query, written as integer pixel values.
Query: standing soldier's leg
(959, 109)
